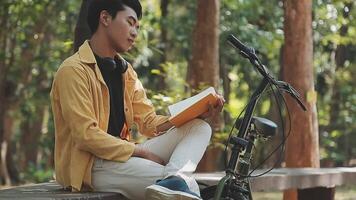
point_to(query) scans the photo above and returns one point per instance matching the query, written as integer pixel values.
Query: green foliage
(38, 36)
(37, 175)
(334, 36)
(147, 56)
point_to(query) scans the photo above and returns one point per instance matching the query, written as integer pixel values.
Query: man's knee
(203, 126)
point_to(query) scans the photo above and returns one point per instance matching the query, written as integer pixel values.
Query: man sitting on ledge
(96, 98)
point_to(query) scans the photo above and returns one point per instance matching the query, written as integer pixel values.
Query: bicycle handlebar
(249, 53)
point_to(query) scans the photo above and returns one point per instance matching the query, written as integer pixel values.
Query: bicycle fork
(237, 188)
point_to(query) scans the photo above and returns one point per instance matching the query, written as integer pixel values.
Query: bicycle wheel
(209, 192)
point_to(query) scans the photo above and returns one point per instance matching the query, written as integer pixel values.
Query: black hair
(112, 7)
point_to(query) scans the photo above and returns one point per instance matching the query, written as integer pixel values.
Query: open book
(192, 107)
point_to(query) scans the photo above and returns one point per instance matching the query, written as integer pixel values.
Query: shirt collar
(86, 55)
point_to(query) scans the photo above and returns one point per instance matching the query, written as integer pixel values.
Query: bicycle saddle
(263, 126)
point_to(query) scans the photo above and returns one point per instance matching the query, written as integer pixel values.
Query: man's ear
(105, 18)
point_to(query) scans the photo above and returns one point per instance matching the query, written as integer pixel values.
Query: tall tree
(163, 43)
(303, 145)
(12, 89)
(203, 67)
(4, 68)
(29, 50)
(341, 54)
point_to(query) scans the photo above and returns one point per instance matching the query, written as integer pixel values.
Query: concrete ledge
(291, 178)
(51, 191)
(277, 179)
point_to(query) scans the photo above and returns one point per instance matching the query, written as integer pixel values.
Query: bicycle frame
(236, 180)
(239, 144)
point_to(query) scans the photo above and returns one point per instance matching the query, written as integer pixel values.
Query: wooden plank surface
(51, 191)
(287, 178)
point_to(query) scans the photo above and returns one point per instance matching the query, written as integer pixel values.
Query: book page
(176, 108)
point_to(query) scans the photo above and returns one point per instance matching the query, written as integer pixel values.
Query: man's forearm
(138, 152)
(163, 127)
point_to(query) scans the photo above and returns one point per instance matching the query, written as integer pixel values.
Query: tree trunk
(5, 143)
(204, 66)
(203, 69)
(341, 53)
(82, 31)
(3, 73)
(340, 59)
(2, 128)
(12, 92)
(11, 163)
(163, 45)
(302, 148)
(226, 82)
(5, 44)
(31, 133)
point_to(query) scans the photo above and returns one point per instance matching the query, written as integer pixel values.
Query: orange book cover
(192, 107)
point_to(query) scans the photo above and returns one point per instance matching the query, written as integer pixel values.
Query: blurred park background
(37, 35)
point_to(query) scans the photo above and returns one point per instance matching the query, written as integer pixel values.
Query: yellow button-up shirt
(80, 104)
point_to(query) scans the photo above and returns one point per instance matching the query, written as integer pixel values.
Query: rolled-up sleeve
(144, 112)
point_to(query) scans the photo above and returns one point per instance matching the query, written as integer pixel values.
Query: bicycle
(235, 185)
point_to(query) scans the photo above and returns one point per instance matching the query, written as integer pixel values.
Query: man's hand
(142, 153)
(214, 109)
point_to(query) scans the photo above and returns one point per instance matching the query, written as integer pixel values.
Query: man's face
(123, 29)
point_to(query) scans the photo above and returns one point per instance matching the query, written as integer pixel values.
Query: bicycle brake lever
(296, 96)
(299, 101)
(287, 88)
(293, 92)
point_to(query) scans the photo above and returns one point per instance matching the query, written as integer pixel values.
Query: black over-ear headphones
(113, 63)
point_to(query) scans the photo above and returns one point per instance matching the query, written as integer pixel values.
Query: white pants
(181, 148)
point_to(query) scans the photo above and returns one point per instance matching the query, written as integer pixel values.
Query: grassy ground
(342, 193)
